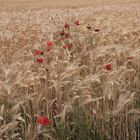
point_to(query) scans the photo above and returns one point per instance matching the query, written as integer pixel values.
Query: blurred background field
(17, 4)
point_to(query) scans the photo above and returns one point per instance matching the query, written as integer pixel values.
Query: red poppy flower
(77, 22)
(47, 50)
(108, 67)
(37, 52)
(49, 43)
(49, 46)
(67, 35)
(44, 121)
(66, 25)
(96, 30)
(89, 27)
(39, 60)
(70, 46)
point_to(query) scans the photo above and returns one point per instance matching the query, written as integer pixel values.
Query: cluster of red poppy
(50, 44)
(39, 53)
(65, 35)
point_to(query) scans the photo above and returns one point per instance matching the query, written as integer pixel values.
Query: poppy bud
(96, 30)
(108, 67)
(130, 58)
(67, 35)
(88, 27)
(66, 25)
(62, 33)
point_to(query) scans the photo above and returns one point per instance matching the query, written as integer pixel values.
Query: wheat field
(77, 63)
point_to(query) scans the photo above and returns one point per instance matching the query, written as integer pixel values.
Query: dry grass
(71, 87)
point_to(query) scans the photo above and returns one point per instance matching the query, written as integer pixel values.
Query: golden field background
(60, 3)
(71, 87)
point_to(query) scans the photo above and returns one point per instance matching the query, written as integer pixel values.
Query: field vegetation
(69, 70)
